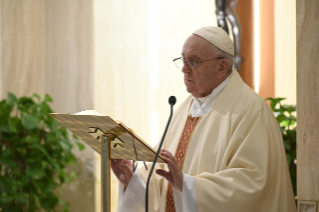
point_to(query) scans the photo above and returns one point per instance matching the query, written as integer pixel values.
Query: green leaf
(30, 122)
(292, 123)
(269, 99)
(65, 206)
(8, 161)
(14, 124)
(287, 146)
(290, 108)
(282, 109)
(35, 152)
(6, 198)
(37, 96)
(12, 98)
(5, 128)
(281, 118)
(35, 173)
(49, 201)
(21, 197)
(7, 153)
(273, 105)
(25, 102)
(12, 137)
(30, 139)
(41, 149)
(46, 185)
(5, 109)
(46, 109)
(47, 98)
(280, 99)
(3, 185)
(288, 159)
(66, 148)
(291, 134)
(274, 102)
(80, 145)
(56, 166)
(285, 123)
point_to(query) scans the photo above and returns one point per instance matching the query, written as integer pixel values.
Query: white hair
(220, 53)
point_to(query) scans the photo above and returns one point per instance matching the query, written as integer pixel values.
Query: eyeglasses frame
(184, 61)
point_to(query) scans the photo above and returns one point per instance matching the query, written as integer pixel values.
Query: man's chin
(190, 90)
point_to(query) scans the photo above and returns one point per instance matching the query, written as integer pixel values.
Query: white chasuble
(235, 156)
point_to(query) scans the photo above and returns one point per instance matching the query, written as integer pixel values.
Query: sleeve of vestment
(186, 201)
(133, 199)
(252, 163)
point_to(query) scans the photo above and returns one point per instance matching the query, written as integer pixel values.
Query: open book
(89, 126)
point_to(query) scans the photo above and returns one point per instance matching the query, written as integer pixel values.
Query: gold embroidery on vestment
(180, 156)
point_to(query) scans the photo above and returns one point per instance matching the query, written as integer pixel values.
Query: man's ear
(223, 69)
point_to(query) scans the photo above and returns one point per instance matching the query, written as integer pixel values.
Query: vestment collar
(219, 95)
(202, 105)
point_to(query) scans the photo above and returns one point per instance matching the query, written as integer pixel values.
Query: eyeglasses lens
(179, 63)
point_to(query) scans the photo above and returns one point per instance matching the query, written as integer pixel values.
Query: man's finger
(167, 154)
(168, 160)
(115, 162)
(172, 165)
(162, 173)
(126, 168)
(125, 161)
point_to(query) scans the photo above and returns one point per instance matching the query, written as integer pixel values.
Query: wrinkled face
(208, 75)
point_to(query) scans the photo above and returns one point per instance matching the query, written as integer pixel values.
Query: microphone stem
(156, 156)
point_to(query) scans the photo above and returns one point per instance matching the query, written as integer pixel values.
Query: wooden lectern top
(90, 128)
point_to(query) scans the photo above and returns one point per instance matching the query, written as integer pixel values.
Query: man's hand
(123, 170)
(175, 175)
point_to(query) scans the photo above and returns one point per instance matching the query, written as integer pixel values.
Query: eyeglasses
(192, 64)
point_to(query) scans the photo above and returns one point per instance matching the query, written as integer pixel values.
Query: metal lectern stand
(107, 134)
(106, 171)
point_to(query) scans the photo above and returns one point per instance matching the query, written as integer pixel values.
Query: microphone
(171, 101)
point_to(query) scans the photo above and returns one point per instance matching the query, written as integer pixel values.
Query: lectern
(109, 138)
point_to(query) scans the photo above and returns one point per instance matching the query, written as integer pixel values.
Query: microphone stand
(172, 101)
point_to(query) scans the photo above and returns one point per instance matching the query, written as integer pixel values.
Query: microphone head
(172, 100)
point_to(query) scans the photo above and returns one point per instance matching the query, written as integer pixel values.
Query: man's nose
(186, 68)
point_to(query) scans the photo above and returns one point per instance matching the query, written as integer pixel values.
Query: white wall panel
(135, 43)
(285, 50)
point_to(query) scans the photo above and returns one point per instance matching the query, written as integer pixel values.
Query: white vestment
(235, 159)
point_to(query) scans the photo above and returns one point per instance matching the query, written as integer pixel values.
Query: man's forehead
(195, 46)
(218, 37)
(193, 38)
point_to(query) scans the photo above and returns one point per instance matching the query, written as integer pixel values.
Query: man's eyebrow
(193, 56)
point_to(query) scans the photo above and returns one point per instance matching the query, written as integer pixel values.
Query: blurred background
(116, 57)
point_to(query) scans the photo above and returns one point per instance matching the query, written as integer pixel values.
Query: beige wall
(69, 54)
(308, 105)
(22, 47)
(267, 49)
(134, 46)
(135, 43)
(47, 47)
(285, 50)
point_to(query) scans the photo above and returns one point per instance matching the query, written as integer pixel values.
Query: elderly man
(224, 149)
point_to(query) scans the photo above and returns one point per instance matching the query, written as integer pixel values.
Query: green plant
(285, 115)
(34, 152)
